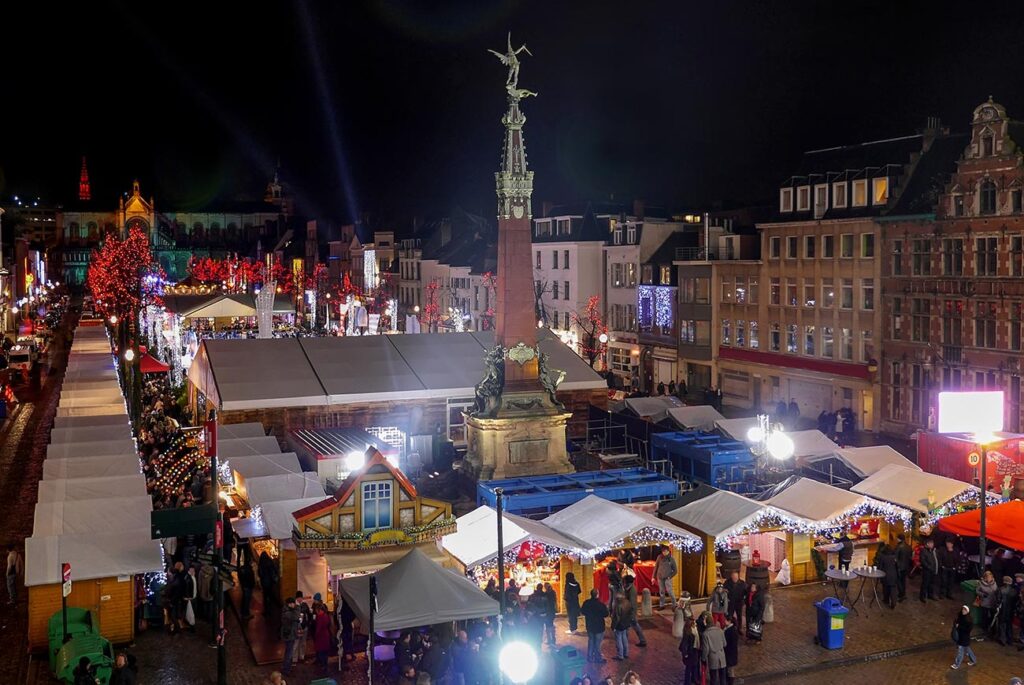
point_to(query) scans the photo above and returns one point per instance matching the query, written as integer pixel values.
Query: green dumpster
(79, 623)
(97, 648)
(569, 663)
(970, 588)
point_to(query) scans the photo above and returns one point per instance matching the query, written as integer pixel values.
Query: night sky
(393, 108)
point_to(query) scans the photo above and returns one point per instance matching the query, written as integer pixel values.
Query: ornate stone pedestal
(526, 437)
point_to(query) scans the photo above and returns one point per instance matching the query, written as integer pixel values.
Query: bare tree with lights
(594, 342)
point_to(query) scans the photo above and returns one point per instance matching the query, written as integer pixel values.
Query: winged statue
(511, 60)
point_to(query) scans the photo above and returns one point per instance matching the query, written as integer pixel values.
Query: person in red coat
(322, 636)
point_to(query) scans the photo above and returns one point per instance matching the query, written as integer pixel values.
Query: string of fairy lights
(177, 462)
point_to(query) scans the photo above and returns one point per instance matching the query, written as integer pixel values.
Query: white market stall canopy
(865, 461)
(737, 429)
(476, 538)
(823, 506)
(65, 422)
(94, 555)
(109, 410)
(259, 465)
(721, 514)
(653, 408)
(85, 467)
(287, 372)
(119, 431)
(108, 448)
(287, 486)
(402, 601)
(240, 447)
(91, 516)
(911, 488)
(698, 417)
(809, 444)
(599, 524)
(275, 520)
(234, 431)
(73, 489)
(222, 306)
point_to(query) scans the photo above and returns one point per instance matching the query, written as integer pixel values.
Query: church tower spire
(84, 192)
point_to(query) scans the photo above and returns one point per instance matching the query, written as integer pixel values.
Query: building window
(554, 290)
(958, 205)
(808, 292)
(791, 246)
(727, 289)
(803, 198)
(726, 332)
(704, 333)
(687, 290)
(773, 291)
(791, 338)
(921, 257)
(666, 275)
(563, 227)
(895, 401)
(774, 336)
(897, 258)
(620, 359)
(741, 290)
(630, 234)
(647, 275)
(555, 319)
(617, 236)
(839, 195)
(754, 343)
(919, 319)
(630, 275)
(820, 200)
(565, 259)
(1016, 320)
(952, 327)
(1017, 255)
(554, 259)
(860, 193)
(985, 324)
(827, 342)
(809, 246)
(617, 276)
(828, 246)
(1015, 201)
(986, 251)
(687, 331)
(987, 197)
(867, 245)
(846, 344)
(809, 347)
(791, 298)
(897, 318)
(867, 292)
(867, 346)
(879, 191)
(630, 317)
(986, 145)
(538, 259)
(774, 247)
(952, 256)
(565, 290)
(703, 290)
(846, 294)
(828, 293)
(752, 290)
(376, 505)
(846, 245)
(786, 200)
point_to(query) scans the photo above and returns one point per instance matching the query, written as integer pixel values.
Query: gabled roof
(374, 461)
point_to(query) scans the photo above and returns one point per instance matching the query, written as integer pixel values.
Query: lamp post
(499, 507)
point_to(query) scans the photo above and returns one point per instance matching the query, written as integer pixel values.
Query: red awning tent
(1004, 523)
(150, 364)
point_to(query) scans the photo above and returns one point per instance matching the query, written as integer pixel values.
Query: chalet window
(839, 195)
(376, 505)
(987, 197)
(879, 191)
(803, 198)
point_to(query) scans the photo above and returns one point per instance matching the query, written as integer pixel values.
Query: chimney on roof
(545, 208)
(638, 208)
(933, 128)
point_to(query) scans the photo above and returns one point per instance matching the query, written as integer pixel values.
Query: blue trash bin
(831, 623)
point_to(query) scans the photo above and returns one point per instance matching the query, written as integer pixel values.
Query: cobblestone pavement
(22, 449)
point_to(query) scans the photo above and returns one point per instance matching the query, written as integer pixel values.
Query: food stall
(534, 553)
(816, 514)
(604, 528)
(927, 495)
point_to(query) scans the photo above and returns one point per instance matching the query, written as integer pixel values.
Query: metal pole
(64, 606)
(218, 551)
(984, 497)
(499, 506)
(369, 641)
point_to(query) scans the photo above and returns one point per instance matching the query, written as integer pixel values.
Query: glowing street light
(113, 319)
(518, 662)
(603, 338)
(129, 355)
(780, 445)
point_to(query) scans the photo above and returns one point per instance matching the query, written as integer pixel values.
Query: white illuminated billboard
(980, 413)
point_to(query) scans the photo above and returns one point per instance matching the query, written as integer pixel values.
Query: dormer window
(376, 505)
(786, 200)
(839, 195)
(986, 144)
(617, 236)
(987, 197)
(879, 191)
(820, 200)
(860, 193)
(630, 235)
(803, 198)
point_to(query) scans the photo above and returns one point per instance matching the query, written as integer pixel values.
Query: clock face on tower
(988, 113)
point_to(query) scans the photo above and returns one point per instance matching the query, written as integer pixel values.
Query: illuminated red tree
(593, 328)
(432, 309)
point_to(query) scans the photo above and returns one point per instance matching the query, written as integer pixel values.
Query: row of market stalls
(93, 511)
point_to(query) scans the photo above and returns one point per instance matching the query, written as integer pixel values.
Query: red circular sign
(973, 458)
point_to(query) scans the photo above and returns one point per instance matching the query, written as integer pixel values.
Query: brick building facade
(953, 294)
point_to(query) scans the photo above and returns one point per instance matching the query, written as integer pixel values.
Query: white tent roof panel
(910, 488)
(107, 448)
(598, 523)
(94, 555)
(365, 367)
(865, 461)
(737, 428)
(108, 410)
(288, 486)
(72, 517)
(234, 431)
(811, 443)
(74, 489)
(259, 465)
(276, 521)
(700, 417)
(813, 501)
(475, 540)
(62, 422)
(89, 467)
(239, 447)
(719, 513)
(90, 434)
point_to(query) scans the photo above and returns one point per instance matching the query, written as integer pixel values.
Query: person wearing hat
(961, 635)
(1008, 598)
(719, 603)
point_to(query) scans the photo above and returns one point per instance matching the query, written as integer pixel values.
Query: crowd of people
(838, 425)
